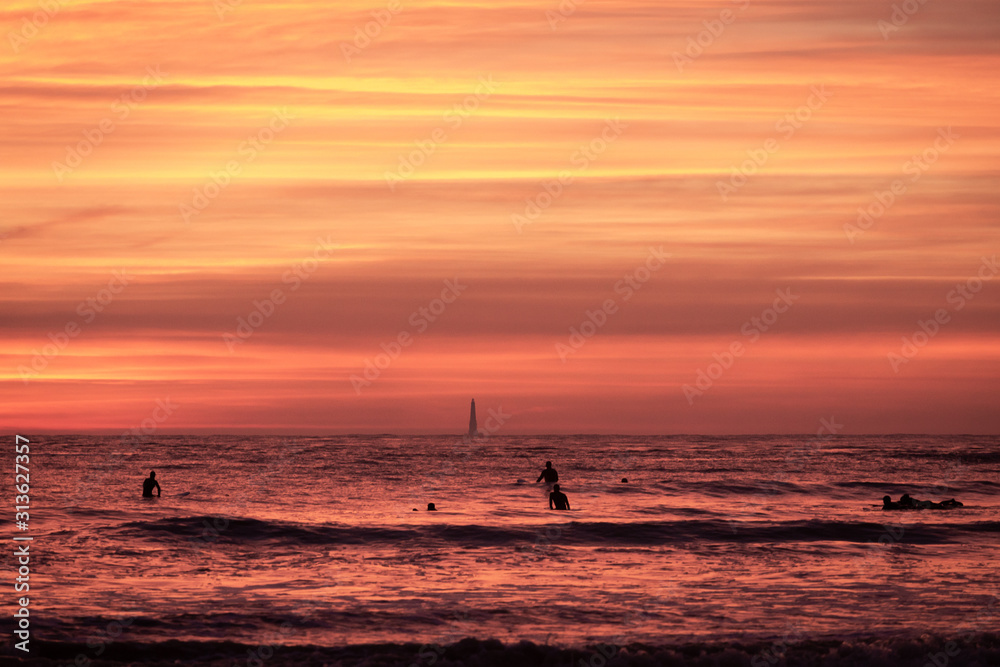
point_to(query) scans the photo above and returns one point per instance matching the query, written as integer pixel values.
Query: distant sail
(473, 431)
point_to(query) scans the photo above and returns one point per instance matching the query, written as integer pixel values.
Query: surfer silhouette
(908, 503)
(549, 474)
(148, 484)
(888, 504)
(558, 498)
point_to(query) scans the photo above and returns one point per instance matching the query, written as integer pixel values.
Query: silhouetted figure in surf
(913, 503)
(148, 484)
(559, 499)
(431, 508)
(549, 474)
(908, 503)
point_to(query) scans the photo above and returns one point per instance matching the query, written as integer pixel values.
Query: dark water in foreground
(304, 550)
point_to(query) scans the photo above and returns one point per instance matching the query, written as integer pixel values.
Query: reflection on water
(711, 538)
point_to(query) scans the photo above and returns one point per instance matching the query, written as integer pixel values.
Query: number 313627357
(21, 479)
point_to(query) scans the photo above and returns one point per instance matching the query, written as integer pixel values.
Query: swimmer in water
(558, 498)
(549, 474)
(148, 484)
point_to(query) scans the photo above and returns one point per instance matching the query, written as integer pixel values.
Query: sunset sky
(357, 176)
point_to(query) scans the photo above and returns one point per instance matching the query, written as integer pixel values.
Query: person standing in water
(558, 498)
(148, 484)
(549, 474)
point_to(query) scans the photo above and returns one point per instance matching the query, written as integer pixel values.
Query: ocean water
(268, 550)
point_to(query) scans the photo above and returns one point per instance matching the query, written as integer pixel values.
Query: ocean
(742, 550)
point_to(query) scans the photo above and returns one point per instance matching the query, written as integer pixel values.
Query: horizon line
(487, 436)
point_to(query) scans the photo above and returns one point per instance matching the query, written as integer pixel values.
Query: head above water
(431, 508)
(886, 499)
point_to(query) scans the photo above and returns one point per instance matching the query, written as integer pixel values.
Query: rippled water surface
(314, 540)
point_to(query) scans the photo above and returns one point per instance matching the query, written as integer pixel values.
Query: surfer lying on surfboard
(908, 503)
